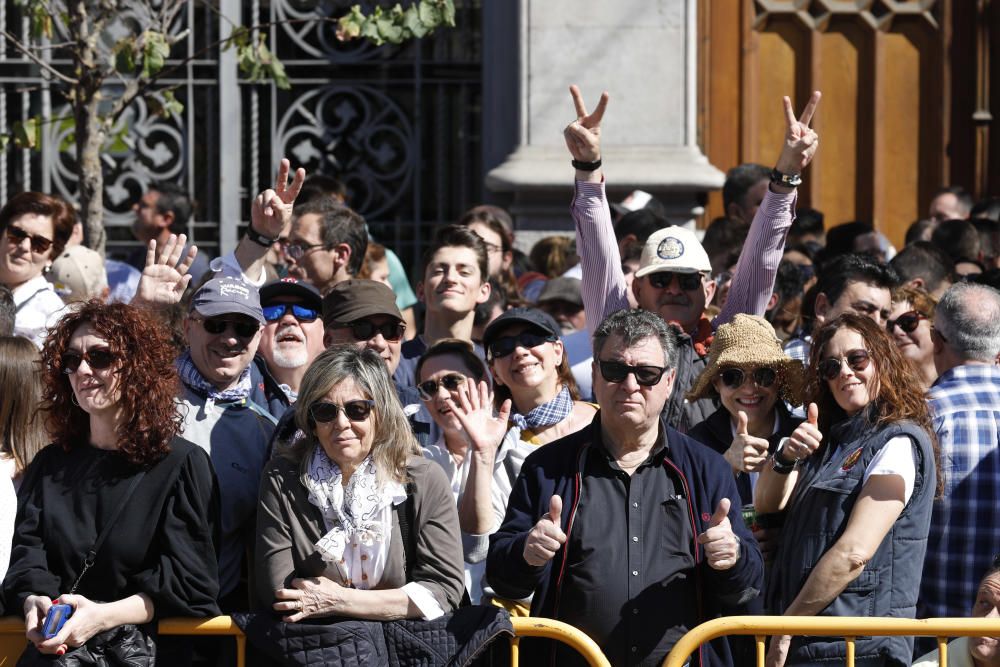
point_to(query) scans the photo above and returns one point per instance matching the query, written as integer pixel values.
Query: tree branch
(38, 61)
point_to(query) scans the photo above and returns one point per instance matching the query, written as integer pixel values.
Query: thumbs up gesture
(546, 537)
(805, 439)
(748, 452)
(722, 549)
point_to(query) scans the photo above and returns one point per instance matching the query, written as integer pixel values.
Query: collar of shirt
(655, 457)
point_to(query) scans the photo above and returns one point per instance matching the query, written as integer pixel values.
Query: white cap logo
(670, 248)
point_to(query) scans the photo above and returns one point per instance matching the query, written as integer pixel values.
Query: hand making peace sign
(271, 211)
(801, 141)
(583, 135)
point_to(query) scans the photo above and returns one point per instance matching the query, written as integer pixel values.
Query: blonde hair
(392, 439)
(23, 435)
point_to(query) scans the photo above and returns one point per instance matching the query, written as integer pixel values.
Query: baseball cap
(356, 298)
(227, 295)
(78, 274)
(532, 316)
(562, 288)
(673, 249)
(291, 287)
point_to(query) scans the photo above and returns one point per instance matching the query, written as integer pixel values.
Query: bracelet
(787, 180)
(782, 468)
(586, 166)
(259, 238)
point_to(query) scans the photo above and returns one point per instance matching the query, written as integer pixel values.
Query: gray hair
(635, 325)
(393, 440)
(968, 318)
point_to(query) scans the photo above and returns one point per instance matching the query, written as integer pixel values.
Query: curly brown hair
(899, 395)
(147, 380)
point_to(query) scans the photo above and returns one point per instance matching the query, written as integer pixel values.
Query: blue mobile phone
(55, 619)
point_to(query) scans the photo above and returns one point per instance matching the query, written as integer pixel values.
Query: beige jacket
(288, 526)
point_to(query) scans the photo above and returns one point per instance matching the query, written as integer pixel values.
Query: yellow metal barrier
(12, 640)
(848, 627)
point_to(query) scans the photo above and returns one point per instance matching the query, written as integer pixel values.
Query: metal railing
(848, 627)
(12, 636)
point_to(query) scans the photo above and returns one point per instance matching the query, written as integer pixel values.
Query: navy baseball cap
(530, 316)
(291, 287)
(228, 295)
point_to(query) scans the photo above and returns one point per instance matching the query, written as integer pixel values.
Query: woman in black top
(109, 400)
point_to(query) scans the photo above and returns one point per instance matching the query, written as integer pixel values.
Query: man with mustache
(293, 331)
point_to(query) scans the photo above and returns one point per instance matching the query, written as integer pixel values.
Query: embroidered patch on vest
(851, 460)
(670, 248)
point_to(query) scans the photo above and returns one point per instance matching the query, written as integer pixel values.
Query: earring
(72, 399)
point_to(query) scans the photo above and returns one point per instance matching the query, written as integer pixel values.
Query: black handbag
(123, 646)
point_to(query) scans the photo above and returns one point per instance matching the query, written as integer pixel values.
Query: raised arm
(603, 288)
(753, 281)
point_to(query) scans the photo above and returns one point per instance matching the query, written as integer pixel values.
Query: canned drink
(750, 516)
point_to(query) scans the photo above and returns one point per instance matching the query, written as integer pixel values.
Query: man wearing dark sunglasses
(293, 330)
(640, 534)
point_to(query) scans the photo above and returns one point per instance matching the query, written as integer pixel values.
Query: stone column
(643, 53)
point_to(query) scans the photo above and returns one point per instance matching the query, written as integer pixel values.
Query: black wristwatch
(781, 467)
(259, 238)
(586, 166)
(787, 180)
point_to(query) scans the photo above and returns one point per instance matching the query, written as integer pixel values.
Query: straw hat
(749, 341)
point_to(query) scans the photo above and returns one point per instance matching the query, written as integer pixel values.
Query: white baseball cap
(673, 249)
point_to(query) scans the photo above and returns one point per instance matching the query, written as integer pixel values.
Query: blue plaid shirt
(965, 533)
(798, 348)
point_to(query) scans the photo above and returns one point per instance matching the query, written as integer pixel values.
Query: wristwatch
(259, 238)
(782, 467)
(787, 180)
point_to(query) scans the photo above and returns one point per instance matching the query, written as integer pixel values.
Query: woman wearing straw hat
(749, 372)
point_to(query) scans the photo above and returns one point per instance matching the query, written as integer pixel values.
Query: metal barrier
(12, 640)
(847, 627)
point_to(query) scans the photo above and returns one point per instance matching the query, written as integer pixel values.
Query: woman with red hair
(109, 401)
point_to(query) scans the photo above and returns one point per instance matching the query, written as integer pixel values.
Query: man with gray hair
(965, 404)
(627, 529)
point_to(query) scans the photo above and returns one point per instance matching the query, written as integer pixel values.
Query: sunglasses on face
(241, 329)
(908, 321)
(297, 250)
(505, 345)
(645, 376)
(857, 360)
(279, 310)
(365, 330)
(735, 377)
(428, 389)
(98, 358)
(687, 281)
(355, 411)
(39, 244)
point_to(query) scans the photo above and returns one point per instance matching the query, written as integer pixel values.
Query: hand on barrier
(722, 548)
(778, 652)
(747, 453)
(546, 537)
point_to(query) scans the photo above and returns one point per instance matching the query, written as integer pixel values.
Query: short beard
(290, 359)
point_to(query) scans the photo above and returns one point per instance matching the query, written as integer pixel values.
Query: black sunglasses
(297, 250)
(98, 358)
(687, 281)
(645, 376)
(301, 313)
(429, 388)
(735, 377)
(505, 345)
(39, 244)
(356, 411)
(908, 321)
(242, 329)
(365, 330)
(857, 360)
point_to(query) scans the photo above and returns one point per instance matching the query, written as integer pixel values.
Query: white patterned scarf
(358, 517)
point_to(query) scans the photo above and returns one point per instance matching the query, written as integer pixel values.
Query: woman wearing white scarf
(329, 535)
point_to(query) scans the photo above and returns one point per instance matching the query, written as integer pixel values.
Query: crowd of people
(634, 430)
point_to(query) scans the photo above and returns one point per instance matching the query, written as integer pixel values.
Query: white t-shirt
(896, 458)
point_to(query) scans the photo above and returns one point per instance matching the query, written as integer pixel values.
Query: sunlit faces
(627, 404)
(861, 298)
(20, 263)
(852, 388)
(97, 390)
(452, 281)
(530, 369)
(346, 442)
(440, 370)
(290, 342)
(986, 650)
(752, 397)
(672, 302)
(149, 222)
(497, 259)
(916, 345)
(221, 357)
(388, 349)
(315, 264)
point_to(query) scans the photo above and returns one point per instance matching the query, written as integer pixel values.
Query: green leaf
(40, 19)
(349, 25)
(155, 52)
(430, 13)
(239, 37)
(28, 133)
(388, 31)
(124, 55)
(163, 103)
(4, 141)
(118, 143)
(68, 129)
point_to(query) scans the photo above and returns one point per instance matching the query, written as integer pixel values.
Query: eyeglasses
(365, 330)
(355, 411)
(505, 345)
(735, 377)
(908, 321)
(242, 329)
(687, 281)
(297, 250)
(428, 389)
(98, 358)
(279, 310)
(39, 244)
(492, 247)
(857, 360)
(645, 376)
